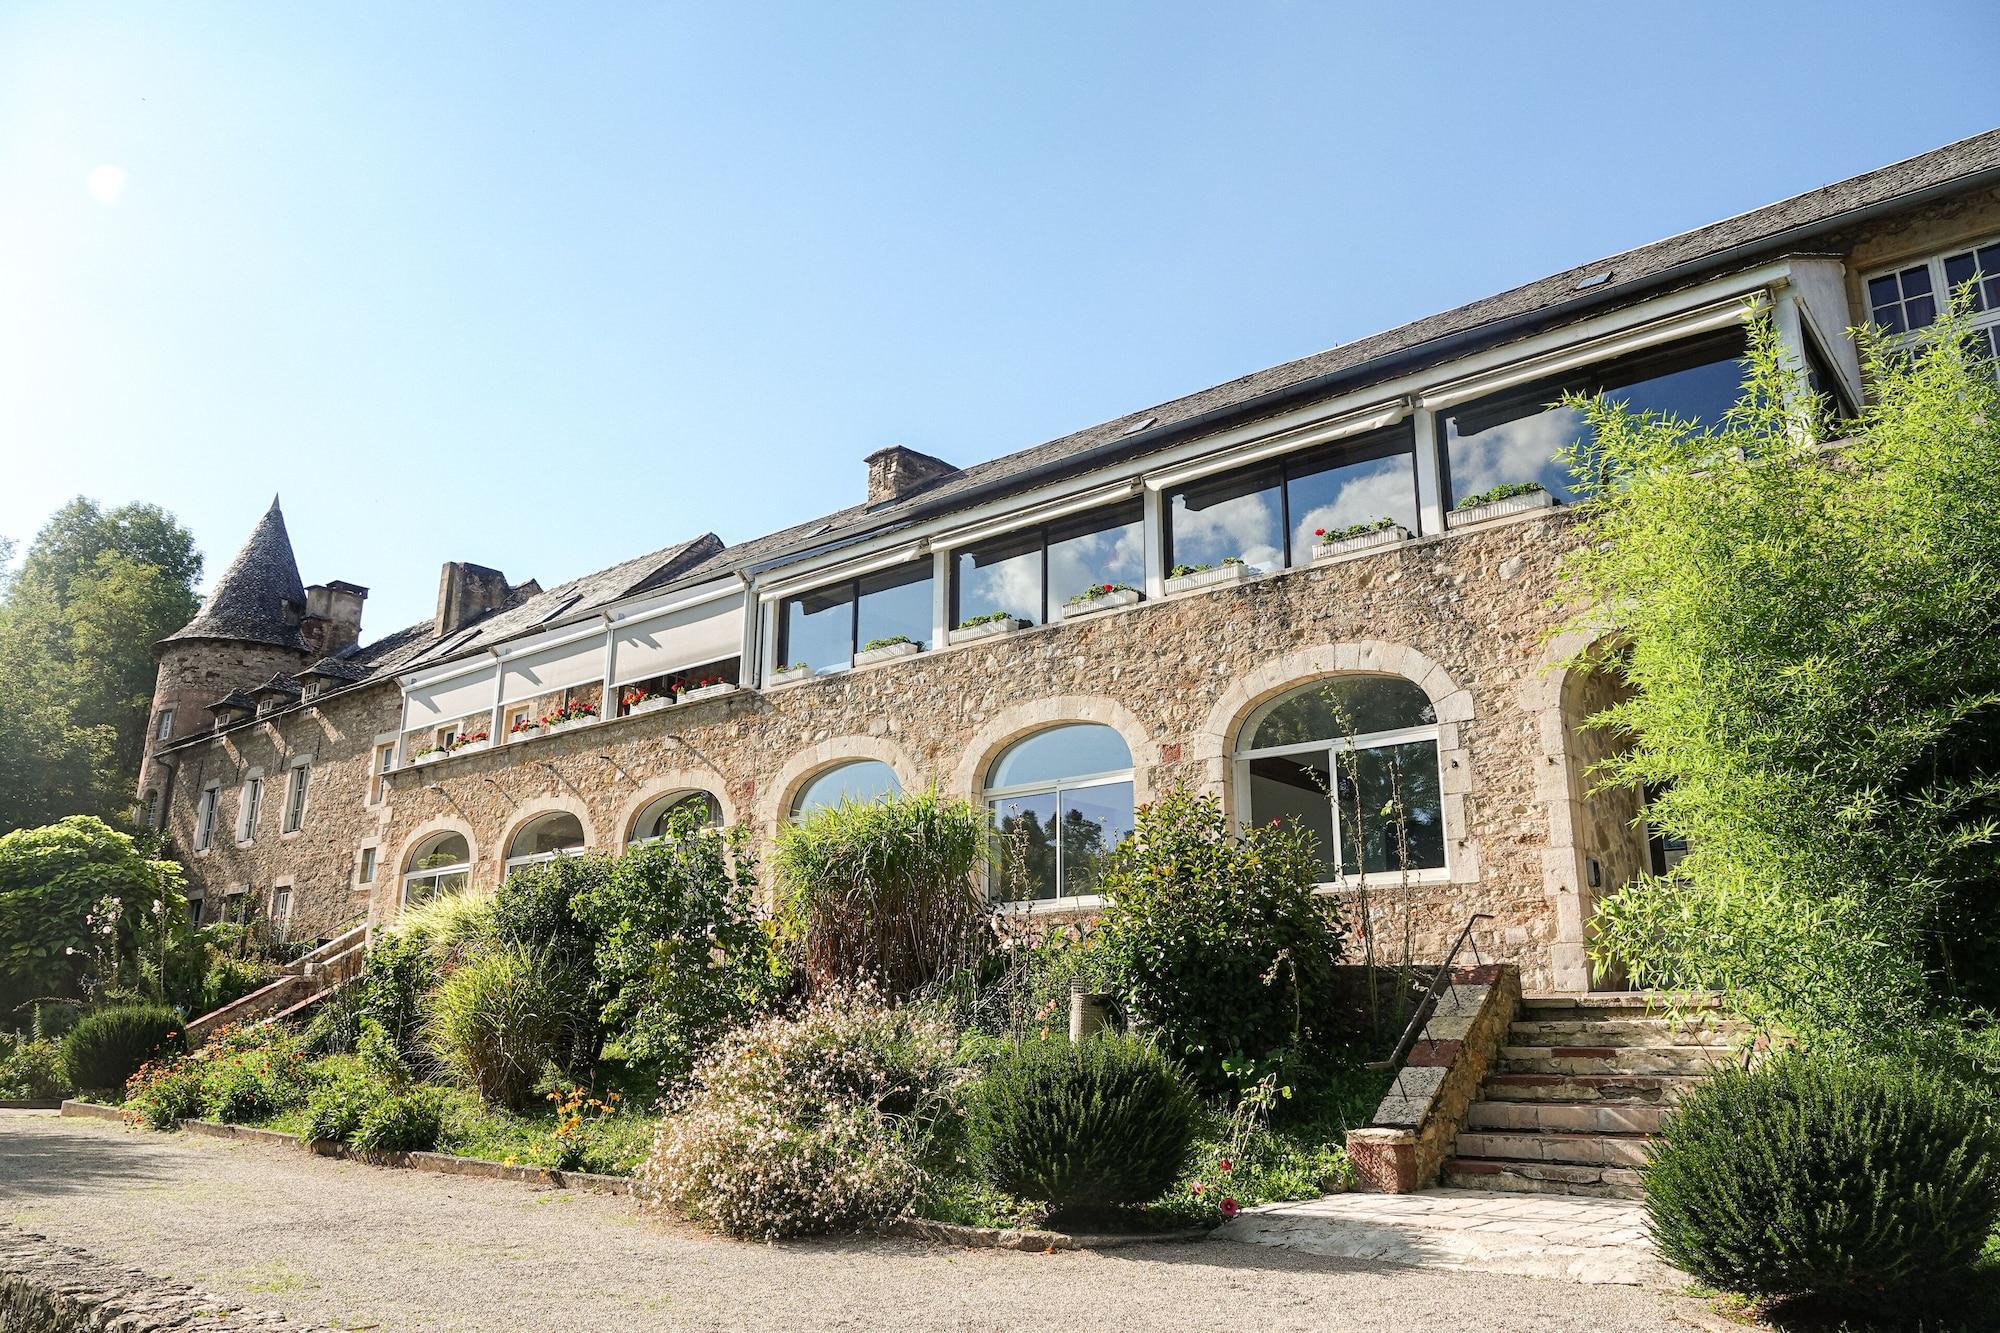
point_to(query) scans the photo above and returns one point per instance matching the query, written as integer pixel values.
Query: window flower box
(987, 629)
(556, 728)
(422, 757)
(1334, 548)
(472, 747)
(650, 705)
(715, 691)
(1500, 506)
(790, 675)
(1107, 597)
(523, 734)
(1194, 580)
(886, 652)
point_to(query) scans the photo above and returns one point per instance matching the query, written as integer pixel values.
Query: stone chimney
(466, 592)
(332, 622)
(896, 471)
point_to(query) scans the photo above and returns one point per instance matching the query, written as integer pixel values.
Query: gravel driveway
(353, 1246)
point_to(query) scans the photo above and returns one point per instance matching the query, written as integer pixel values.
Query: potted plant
(707, 687)
(471, 742)
(524, 729)
(429, 754)
(1100, 597)
(787, 675)
(644, 699)
(1515, 497)
(886, 648)
(1188, 578)
(1333, 542)
(986, 626)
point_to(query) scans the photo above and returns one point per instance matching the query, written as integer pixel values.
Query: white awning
(692, 636)
(449, 700)
(553, 669)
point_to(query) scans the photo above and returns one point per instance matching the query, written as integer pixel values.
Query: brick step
(1555, 1146)
(1568, 1117)
(1621, 1089)
(1612, 1059)
(1623, 1032)
(1601, 1182)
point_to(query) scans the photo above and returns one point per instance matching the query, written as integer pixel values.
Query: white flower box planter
(472, 748)
(1366, 541)
(1209, 578)
(515, 737)
(431, 758)
(652, 705)
(1110, 601)
(987, 630)
(789, 676)
(1513, 504)
(887, 653)
(707, 692)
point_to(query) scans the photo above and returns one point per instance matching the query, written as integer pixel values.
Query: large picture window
(1354, 760)
(1513, 436)
(1266, 516)
(440, 865)
(660, 816)
(1032, 574)
(857, 780)
(827, 626)
(1061, 801)
(558, 833)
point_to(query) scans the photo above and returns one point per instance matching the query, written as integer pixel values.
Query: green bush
(680, 951)
(107, 1046)
(164, 1093)
(343, 1089)
(31, 1069)
(229, 979)
(1086, 1126)
(537, 908)
(1219, 943)
(502, 1016)
(1851, 1184)
(821, 1122)
(252, 1077)
(884, 893)
(410, 1121)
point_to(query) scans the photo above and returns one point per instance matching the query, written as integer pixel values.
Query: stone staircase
(1579, 1090)
(304, 982)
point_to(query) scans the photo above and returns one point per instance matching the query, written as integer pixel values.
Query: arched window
(657, 819)
(544, 838)
(1354, 759)
(1061, 800)
(856, 780)
(440, 865)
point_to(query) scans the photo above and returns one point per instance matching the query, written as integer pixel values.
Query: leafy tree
(81, 902)
(77, 625)
(1813, 638)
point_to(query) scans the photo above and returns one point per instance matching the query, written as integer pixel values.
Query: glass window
(1980, 267)
(281, 910)
(1901, 302)
(1061, 802)
(1908, 301)
(858, 780)
(1354, 761)
(827, 626)
(1268, 516)
(166, 723)
(250, 803)
(441, 865)
(367, 875)
(1514, 436)
(550, 835)
(658, 818)
(1032, 574)
(204, 820)
(295, 798)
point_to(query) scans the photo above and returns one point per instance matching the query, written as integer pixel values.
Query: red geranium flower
(1229, 1209)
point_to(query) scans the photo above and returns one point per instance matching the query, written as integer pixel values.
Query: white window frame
(992, 796)
(667, 800)
(514, 863)
(249, 806)
(281, 908)
(298, 781)
(1986, 321)
(436, 875)
(165, 729)
(381, 763)
(204, 818)
(367, 859)
(1374, 740)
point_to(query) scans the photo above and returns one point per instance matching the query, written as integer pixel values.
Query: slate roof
(259, 598)
(234, 699)
(1791, 226)
(279, 684)
(336, 668)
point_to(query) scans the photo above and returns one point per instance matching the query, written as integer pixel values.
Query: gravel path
(352, 1246)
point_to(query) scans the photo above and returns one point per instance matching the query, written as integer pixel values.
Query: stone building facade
(522, 722)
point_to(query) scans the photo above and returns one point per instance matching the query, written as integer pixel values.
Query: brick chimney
(332, 621)
(896, 471)
(466, 592)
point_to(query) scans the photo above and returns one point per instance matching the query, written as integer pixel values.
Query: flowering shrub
(682, 686)
(1085, 1126)
(1098, 590)
(577, 711)
(577, 1109)
(808, 1124)
(240, 1073)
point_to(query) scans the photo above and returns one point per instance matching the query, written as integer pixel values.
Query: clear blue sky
(546, 286)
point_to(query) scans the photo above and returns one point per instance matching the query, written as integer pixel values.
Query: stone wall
(193, 674)
(51, 1288)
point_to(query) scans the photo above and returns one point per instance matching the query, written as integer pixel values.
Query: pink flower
(1229, 1209)
(1195, 1189)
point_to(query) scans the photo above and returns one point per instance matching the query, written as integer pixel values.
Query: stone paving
(1580, 1239)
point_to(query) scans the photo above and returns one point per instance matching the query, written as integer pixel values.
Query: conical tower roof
(259, 598)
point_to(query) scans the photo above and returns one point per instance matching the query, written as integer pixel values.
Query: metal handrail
(1426, 1005)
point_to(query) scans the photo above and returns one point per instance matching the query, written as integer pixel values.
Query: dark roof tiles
(259, 598)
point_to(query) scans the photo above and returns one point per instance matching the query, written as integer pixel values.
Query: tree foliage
(77, 623)
(1811, 636)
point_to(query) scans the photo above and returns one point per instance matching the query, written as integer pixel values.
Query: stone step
(1624, 1032)
(1569, 1117)
(1612, 1059)
(1623, 1089)
(1603, 1182)
(1555, 1146)
(1618, 1003)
